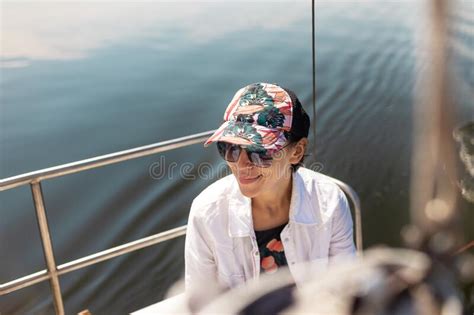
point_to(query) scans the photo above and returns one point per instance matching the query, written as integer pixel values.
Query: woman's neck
(271, 208)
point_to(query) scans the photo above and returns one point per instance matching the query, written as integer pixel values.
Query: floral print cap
(257, 117)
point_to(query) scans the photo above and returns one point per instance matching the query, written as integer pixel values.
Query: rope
(464, 248)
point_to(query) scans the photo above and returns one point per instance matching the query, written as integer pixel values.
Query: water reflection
(63, 31)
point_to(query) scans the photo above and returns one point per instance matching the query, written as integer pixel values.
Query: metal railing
(53, 270)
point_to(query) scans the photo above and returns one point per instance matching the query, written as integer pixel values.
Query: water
(84, 79)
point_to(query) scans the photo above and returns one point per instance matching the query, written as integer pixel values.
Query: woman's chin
(249, 192)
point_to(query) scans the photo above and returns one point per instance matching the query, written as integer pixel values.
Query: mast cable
(313, 52)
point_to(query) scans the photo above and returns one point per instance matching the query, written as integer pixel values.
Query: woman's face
(255, 180)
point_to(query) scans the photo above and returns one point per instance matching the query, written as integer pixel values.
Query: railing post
(47, 246)
(354, 198)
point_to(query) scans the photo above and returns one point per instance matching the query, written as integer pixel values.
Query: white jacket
(221, 245)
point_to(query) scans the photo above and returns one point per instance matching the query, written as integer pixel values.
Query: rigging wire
(313, 52)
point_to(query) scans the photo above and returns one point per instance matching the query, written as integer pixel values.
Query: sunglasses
(231, 152)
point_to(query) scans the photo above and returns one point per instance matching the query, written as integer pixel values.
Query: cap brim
(217, 134)
(269, 138)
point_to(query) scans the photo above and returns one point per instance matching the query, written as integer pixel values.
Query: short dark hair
(292, 140)
(299, 125)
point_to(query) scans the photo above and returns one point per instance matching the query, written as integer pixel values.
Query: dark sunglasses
(231, 152)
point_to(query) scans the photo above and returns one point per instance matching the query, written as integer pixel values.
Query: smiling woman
(270, 212)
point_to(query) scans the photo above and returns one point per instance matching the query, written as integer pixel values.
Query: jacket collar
(240, 207)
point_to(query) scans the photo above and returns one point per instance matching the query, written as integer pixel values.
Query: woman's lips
(249, 180)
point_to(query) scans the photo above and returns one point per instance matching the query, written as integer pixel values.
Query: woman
(270, 212)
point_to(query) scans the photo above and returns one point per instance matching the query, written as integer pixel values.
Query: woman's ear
(299, 150)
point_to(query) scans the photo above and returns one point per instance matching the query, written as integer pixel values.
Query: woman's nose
(243, 160)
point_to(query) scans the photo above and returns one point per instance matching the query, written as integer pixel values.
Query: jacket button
(286, 239)
(292, 262)
(256, 253)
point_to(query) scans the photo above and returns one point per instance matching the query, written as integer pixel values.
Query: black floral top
(272, 254)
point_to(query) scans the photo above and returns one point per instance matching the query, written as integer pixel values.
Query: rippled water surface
(84, 79)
